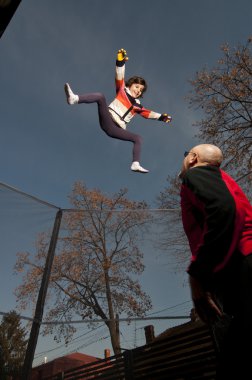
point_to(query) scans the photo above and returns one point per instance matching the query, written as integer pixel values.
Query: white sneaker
(71, 97)
(136, 167)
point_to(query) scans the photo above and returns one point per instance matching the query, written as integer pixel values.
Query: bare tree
(224, 94)
(224, 97)
(96, 267)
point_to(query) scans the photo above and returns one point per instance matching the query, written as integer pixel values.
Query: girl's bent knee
(100, 96)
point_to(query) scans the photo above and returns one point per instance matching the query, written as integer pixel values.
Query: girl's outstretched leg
(71, 97)
(105, 119)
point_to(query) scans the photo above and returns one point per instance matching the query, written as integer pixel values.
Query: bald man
(217, 219)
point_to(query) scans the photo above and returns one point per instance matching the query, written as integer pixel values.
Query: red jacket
(217, 219)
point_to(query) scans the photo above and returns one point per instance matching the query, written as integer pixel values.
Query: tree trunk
(115, 337)
(113, 323)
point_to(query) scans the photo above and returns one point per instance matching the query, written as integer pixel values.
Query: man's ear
(193, 160)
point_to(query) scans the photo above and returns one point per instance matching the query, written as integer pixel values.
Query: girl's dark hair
(137, 80)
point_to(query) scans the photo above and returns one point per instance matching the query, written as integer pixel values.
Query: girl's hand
(122, 55)
(165, 118)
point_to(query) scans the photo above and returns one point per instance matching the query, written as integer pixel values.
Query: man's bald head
(208, 154)
(200, 155)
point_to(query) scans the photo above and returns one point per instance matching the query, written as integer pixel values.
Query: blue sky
(46, 145)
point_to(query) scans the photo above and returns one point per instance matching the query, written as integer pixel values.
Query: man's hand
(207, 309)
(205, 304)
(122, 55)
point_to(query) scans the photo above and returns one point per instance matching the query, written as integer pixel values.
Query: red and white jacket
(124, 107)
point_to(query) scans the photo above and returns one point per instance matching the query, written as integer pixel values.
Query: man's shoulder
(202, 170)
(202, 177)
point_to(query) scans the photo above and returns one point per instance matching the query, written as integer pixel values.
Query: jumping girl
(115, 117)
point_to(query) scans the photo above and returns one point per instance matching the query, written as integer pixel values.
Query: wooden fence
(181, 354)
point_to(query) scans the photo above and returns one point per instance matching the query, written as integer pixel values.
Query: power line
(169, 308)
(72, 341)
(103, 320)
(148, 317)
(121, 210)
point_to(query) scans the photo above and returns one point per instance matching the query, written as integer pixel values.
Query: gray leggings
(108, 125)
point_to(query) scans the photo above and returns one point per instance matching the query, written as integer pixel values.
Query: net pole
(38, 316)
